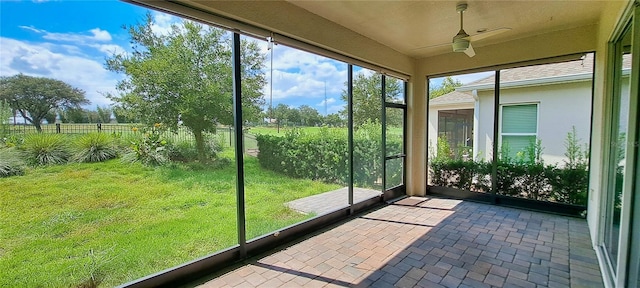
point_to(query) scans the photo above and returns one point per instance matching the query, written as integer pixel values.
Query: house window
(519, 128)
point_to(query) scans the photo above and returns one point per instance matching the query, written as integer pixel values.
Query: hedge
(323, 156)
(534, 181)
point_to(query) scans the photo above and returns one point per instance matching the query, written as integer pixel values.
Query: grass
(64, 225)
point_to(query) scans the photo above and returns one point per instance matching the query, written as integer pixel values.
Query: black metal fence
(182, 134)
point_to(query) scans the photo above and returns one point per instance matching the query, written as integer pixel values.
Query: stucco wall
(560, 107)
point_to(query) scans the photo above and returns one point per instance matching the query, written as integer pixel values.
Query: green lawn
(60, 225)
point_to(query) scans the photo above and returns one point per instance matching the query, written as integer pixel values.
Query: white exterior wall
(483, 120)
(560, 106)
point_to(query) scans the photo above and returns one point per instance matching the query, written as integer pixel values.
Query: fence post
(230, 144)
(58, 128)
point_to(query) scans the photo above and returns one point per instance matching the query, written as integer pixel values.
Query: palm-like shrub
(46, 149)
(148, 147)
(95, 147)
(10, 163)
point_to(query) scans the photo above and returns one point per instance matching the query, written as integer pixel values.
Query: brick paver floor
(431, 242)
(331, 201)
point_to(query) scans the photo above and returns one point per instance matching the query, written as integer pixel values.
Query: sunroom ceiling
(408, 26)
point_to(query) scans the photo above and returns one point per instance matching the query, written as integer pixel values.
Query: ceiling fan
(462, 41)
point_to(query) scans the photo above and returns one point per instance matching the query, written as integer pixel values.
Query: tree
(35, 97)
(74, 115)
(5, 113)
(448, 85)
(309, 116)
(334, 120)
(122, 116)
(281, 113)
(294, 116)
(185, 76)
(104, 114)
(50, 116)
(92, 116)
(367, 102)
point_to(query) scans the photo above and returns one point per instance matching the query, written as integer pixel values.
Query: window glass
(395, 172)
(520, 119)
(143, 175)
(618, 160)
(543, 145)
(368, 159)
(519, 128)
(460, 132)
(296, 139)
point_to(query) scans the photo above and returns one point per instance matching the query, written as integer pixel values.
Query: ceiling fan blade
(470, 52)
(432, 46)
(487, 34)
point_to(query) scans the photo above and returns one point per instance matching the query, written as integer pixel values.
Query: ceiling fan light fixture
(460, 43)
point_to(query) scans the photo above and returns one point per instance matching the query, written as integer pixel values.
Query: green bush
(46, 149)
(182, 151)
(570, 183)
(186, 150)
(461, 174)
(321, 156)
(10, 163)
(147, 147)
(324, 155)
(95, 147)
(12, 141)
(524, 176)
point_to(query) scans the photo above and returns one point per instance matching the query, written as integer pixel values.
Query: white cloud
(40, 60)
(96, 35)
(33, 29)
(162, 23)
(110, 49)
(329, 101)
(301, 75)
(95, 40)
(335, 109)
(100, 35)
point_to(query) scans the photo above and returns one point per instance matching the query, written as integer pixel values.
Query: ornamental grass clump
(46, 149)
(10, 163)
(95, 147)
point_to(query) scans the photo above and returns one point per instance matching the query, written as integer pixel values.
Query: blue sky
(69, 41)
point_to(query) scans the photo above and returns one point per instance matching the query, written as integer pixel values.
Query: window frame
(501, 120)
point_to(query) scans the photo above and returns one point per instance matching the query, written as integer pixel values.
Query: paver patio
(331, 201)
(430, 242)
